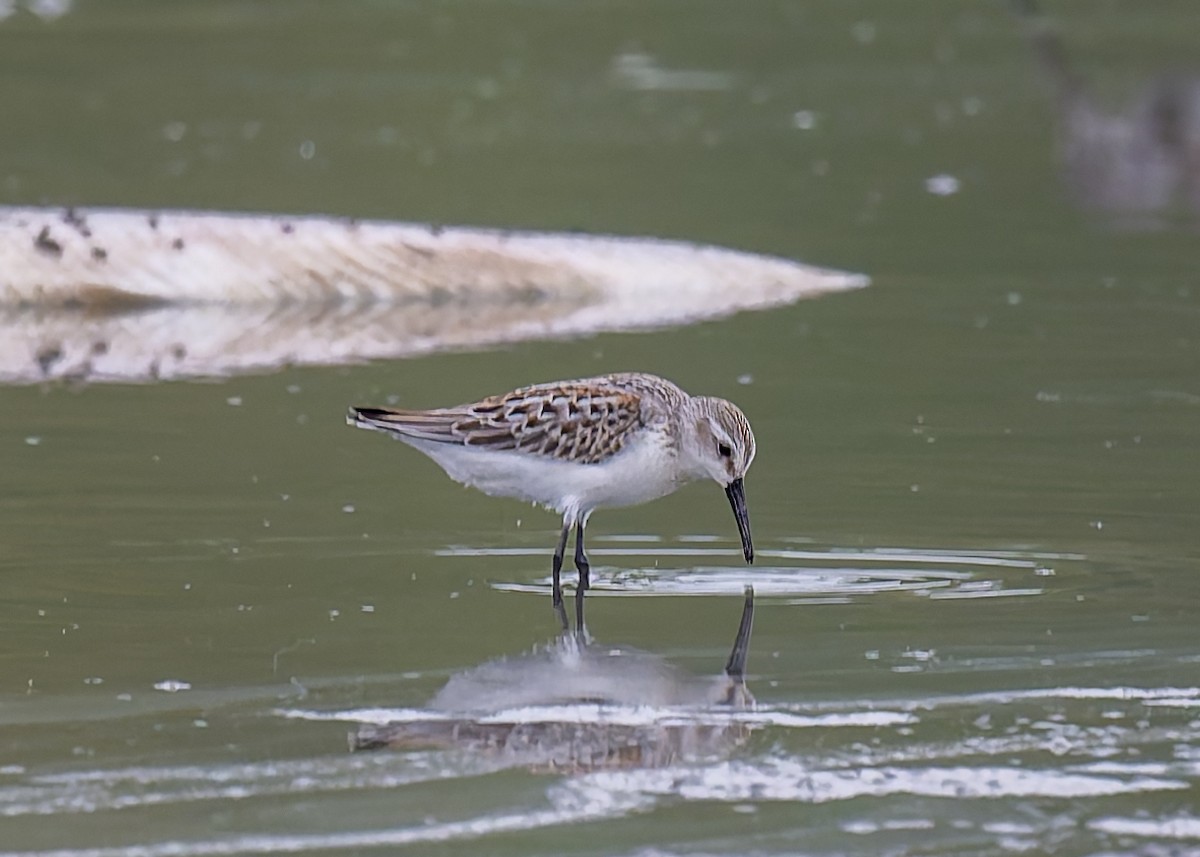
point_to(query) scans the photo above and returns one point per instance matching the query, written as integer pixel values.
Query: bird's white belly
(642, 471)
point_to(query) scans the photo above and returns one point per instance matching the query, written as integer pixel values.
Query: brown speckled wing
(579, 421)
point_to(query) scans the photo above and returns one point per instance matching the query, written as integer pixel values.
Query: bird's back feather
(584, 422)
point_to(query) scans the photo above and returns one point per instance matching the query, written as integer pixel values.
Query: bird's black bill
(736, 492)
(735, 667)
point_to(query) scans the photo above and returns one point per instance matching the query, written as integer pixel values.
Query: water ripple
(1016, 744)
(828, 576)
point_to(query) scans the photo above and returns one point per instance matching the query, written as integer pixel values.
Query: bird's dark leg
(557, 591)
(585, 583)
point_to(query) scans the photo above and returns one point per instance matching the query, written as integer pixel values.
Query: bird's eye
(724, 450)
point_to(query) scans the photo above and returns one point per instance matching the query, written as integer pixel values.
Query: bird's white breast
(645, 469)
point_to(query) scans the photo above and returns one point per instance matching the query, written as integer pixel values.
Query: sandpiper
(575, 446)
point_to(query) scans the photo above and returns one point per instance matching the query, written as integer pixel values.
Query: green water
(1005, 421)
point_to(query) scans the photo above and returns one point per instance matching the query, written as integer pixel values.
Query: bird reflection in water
(576, 705)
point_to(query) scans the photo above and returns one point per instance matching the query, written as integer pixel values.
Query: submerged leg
(585, 582)
(556, 593)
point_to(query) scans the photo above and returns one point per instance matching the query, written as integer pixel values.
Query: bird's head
(721, 446)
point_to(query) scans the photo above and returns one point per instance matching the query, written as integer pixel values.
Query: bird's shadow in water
(576, 705)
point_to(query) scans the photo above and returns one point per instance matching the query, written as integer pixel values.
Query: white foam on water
(788, 779)
(1170, 696)
(1175, 702)
(616, 715)
(373, 716)
(584, 807)
(90, 791)
(1144, 695)
(882, 712)
(1180, 827)
(866, 827)
(965, 593)
(979, 766)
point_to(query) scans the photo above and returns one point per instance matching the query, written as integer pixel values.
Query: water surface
(975, 497)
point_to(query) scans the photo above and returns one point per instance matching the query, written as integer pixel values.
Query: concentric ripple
(836, 575)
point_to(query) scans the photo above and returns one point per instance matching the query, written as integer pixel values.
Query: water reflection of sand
(139, 295)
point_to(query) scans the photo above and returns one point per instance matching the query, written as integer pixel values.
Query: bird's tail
(421, 425)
